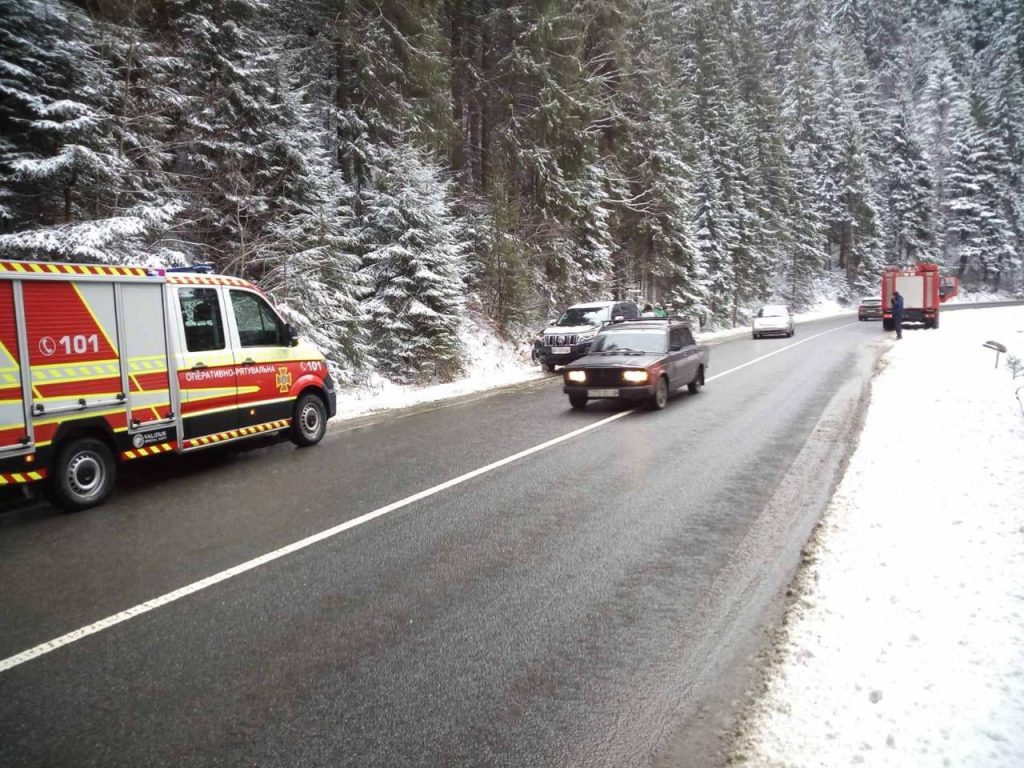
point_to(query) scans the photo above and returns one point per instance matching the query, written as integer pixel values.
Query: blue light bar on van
(202, 268)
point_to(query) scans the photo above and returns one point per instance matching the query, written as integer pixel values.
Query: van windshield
(584, 316)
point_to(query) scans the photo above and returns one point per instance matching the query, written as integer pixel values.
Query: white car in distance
(773, 320)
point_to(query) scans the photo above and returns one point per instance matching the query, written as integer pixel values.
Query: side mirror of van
(291, 339)
(618, 319)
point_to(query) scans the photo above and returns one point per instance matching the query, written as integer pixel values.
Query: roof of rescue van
(175, 277)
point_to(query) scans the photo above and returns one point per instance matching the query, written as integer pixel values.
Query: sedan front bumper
(632, 393)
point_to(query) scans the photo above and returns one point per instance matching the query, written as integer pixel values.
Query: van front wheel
(83, 474)
(309, 424)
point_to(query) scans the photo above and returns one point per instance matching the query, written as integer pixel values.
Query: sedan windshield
(772, 312)
(584, 316)
(651, 342)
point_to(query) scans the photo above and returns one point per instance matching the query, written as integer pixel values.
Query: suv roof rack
(668, 319)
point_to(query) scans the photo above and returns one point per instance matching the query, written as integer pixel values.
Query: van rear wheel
(83, 474)
(309, 424)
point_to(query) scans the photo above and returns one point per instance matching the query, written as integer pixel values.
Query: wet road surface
(584, 604)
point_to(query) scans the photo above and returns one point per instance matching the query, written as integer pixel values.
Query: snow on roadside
(906, 644)
(490, 363)
(966, 296)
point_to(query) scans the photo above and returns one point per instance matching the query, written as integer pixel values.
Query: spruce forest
(384, 168)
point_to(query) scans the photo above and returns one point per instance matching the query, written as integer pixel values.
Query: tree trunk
(846, 256)
(69, 196)
(457, 57)
(482, 137)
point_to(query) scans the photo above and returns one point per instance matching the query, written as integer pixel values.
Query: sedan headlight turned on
(635, 377)
(577, 377)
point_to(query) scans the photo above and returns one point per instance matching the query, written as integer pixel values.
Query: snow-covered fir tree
(908, 184)
(414, 261)
(69, 173)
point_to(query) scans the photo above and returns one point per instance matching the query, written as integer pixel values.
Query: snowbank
(966, 296)
(490, 363)
(906, 644)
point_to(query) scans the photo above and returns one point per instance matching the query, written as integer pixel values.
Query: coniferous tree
(67, 188)
(909, 196)
(414, 261)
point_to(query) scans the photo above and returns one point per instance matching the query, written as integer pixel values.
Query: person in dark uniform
(897, 313)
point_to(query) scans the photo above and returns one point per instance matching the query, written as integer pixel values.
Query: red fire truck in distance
(101, 364)
(923, 289)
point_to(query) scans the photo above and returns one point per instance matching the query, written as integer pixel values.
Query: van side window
(200, 315)
(687, 337)
(258, 325)
(676, 340)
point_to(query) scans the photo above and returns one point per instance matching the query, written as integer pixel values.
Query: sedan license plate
(561, 350)
(603, 392)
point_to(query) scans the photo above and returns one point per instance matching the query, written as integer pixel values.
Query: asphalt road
(594, 602)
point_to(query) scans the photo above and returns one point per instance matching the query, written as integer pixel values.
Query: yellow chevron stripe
(22, 477)
(236, 434)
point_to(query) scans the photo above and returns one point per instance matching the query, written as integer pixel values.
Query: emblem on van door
(284, 380)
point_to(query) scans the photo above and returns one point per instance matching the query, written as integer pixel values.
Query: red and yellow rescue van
(105, 364)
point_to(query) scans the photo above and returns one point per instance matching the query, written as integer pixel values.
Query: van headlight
(635, 377)
(577, 377)
(586, 337)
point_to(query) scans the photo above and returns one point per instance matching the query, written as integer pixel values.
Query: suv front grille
(561, 340)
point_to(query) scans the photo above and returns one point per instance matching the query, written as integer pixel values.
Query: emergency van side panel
(13, 434)
(145, 335)
(73, 355)
(152, 393)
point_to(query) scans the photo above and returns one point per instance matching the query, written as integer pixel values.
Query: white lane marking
(778, 352)
(170, 597)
